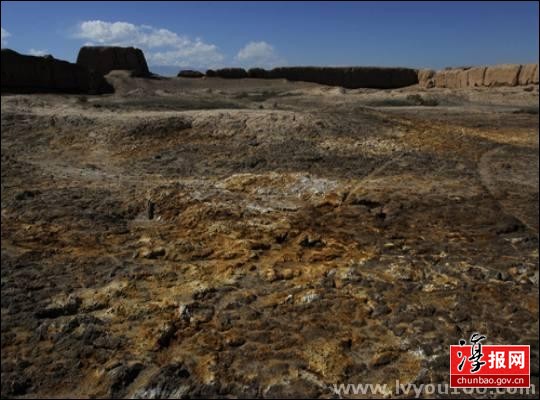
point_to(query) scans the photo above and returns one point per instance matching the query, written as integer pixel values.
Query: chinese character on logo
(460, 354)
(516, 358)
(476, 353)
(496, 359)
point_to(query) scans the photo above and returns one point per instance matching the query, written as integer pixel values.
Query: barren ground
(302, 236)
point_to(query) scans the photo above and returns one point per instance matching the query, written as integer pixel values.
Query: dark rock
(355, 369)
(502, 276)
(165, 335)
(205, 391)
(428, 349)
(122, 376)
(205, 293)
(240, 301)
(91, 333)
(26, 194)
(70, 307)
(259, 246)
(104, 59)
(189, 73)
(18, 386)
(509, 225)
(224, 322)
(172, 381)
(31, 74)
(364, 202)
(259, 73)
(382, 309)
(108, 342)
(399, 330)
(349, 77)
(311, 242)
(154, 253)
(231, 73)
(150, 209)
(428, 311)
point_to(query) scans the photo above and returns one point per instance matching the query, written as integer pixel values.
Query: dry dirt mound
(490, 76)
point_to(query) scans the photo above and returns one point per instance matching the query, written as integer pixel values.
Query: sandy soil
(302, 236)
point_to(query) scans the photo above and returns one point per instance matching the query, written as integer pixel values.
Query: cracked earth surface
(301, 237)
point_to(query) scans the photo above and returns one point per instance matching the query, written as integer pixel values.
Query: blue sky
(213, 34)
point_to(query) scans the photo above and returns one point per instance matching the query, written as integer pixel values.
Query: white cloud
(35, 52)
(106, 32)
(196, 54)
(5, 35)
(161, 46)
(260, 54)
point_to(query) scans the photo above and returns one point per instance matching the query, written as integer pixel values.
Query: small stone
(153, 253)
(165, 333)
(224, 322)
(69, 307)
(122, 376)
(310, 298)
(399, 330)
(150, 209)
(502, 276)
(183, 311)
(428, 349)
(201, 315)
(382, 309)
(259, 246)
(310, 242)
(235, 341)
(287, 274)
(19, 386)
(270, 275)
(461, 316)
(534, 278)
(383, 358)
(328, 282)
(281, 237)
(355, 369)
